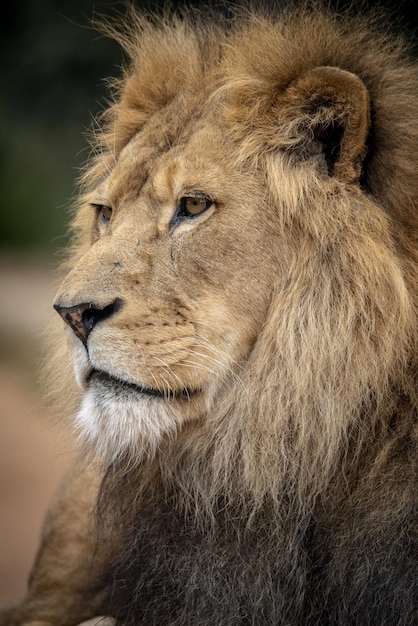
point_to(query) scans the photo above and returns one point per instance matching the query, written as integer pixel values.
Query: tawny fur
(284, 491)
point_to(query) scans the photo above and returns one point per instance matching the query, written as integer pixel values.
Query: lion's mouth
(108, 380)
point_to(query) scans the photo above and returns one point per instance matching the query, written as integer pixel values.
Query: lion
(240, 311)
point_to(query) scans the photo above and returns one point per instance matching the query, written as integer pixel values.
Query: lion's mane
(307, 442)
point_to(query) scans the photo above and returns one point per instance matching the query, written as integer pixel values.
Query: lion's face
(234, 258)
(174, 288)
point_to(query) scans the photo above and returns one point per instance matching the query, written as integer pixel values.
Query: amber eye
(104, 212)
(193, 205)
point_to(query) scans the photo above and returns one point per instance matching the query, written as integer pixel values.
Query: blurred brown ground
(34, 454)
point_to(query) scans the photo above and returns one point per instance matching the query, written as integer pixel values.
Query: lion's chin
(117, 422)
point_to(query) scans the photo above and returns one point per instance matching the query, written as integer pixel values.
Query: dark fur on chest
(175, 571)
(255, 569)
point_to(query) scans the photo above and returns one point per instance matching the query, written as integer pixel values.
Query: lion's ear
(326, 110)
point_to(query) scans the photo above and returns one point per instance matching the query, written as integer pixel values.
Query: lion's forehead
(159, 174)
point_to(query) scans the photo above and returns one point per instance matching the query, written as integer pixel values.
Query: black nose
(83, 317)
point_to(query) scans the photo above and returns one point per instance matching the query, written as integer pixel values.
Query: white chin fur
(123, 426)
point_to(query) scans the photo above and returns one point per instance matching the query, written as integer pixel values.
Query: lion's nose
(82, 318)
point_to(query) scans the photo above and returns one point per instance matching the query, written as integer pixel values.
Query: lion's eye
(104, 212)
(193, 205)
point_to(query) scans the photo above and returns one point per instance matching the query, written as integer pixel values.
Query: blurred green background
(52, 67)
(52, 71)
